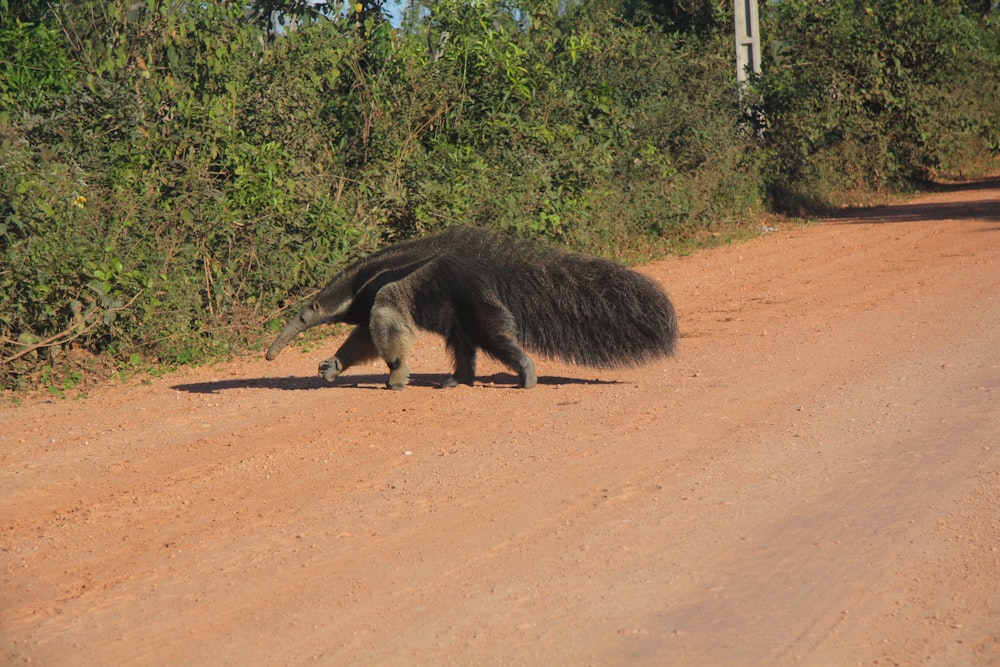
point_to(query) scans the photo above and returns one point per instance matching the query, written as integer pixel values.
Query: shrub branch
(77, 328)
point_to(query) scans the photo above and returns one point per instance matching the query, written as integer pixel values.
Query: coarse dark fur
(483, 290)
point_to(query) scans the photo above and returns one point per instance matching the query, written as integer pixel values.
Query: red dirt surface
(815, 479)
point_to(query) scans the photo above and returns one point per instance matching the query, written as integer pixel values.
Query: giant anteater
(481, 289)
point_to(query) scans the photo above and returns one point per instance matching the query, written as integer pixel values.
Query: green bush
(875, 95)
(35, 69)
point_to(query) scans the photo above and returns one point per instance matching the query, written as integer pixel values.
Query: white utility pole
(747, 39)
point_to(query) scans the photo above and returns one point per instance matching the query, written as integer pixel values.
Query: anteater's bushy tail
(574, 307)
(600, 314)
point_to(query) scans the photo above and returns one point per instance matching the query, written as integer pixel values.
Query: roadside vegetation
(173, 174)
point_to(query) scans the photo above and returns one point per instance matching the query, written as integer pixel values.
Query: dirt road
(814, 480)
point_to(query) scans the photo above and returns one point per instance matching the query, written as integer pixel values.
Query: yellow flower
(80, 201)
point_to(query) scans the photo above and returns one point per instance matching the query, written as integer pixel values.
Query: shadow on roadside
(985, 210)
(989, 183)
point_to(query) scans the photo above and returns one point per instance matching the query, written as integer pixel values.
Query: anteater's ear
(314, 305)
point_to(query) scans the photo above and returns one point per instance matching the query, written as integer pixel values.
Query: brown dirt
(814, 480)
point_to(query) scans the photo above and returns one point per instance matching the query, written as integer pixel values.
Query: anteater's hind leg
(358, 348)
(393, 331)
(505, 349)
(463, 351)
(495, 330)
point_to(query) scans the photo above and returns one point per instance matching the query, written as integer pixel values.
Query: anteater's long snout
(291, 330)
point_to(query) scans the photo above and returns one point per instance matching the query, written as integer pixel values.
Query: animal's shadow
(368, 382)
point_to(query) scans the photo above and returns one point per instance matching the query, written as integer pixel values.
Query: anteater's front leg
(358, 348)
(394, 331)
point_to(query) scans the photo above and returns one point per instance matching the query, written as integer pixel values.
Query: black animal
(483, 290)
